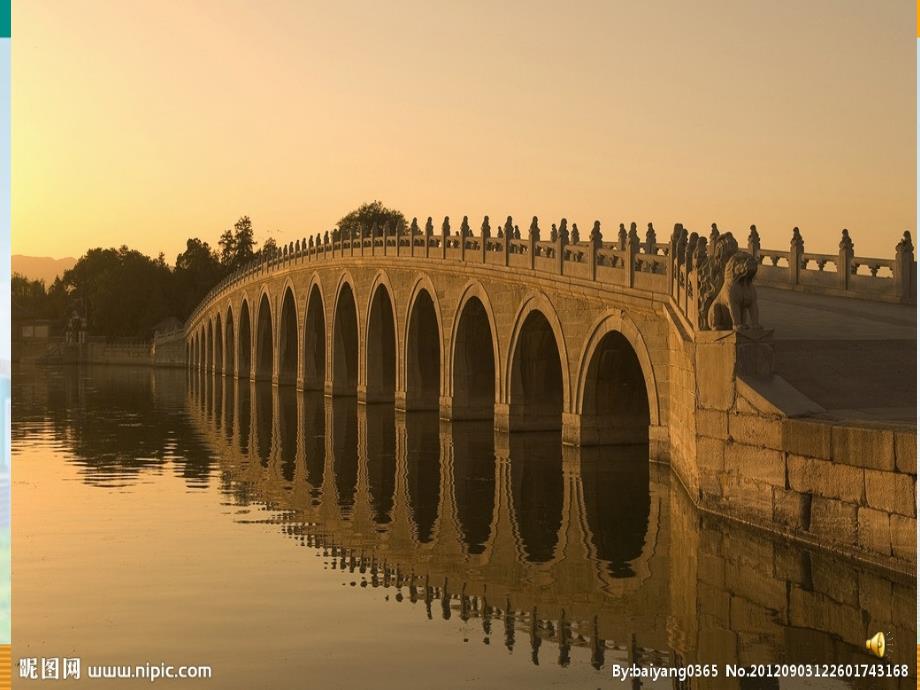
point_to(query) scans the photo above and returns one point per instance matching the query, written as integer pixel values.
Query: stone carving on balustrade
(754, 243)
(596, 237)
(727, 297)
(508, 230)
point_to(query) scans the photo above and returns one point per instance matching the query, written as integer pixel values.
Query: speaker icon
(876, 644)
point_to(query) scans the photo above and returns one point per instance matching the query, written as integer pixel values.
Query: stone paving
(855, 358)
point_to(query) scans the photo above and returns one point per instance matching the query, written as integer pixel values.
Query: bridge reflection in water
(588, 547)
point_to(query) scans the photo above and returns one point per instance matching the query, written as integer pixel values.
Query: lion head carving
(741, 266)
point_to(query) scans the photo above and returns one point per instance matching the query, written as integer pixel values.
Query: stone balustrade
(665, 268)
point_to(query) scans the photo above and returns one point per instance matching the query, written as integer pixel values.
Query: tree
(269, 246)
(197, 271)
(227, 244)
(28, 298)
(123, 292)
(244, 241)
(366, 216)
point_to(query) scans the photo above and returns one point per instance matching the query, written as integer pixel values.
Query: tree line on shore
(125, 293)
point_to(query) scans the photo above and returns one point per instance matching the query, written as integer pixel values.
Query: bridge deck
(855, 358)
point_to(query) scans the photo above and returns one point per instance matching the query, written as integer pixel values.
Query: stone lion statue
(712, 273)
(735, 307)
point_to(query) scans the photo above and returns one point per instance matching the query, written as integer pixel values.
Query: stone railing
(888, 280)
(681, 268)
(629, 262)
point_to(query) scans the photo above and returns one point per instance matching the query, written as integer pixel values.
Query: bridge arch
(209, 353)
(218, 344)
(380, 345)
(245, 339)
(537, 371)
(474, 384)
(288, 338)
(230, 340)
(424, 350)
(314, 337)
(265, 346)
(345, 331)
(617, 396)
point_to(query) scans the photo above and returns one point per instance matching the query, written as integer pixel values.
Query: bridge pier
(450, 409)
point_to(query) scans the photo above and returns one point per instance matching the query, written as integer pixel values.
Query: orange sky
(145, 123)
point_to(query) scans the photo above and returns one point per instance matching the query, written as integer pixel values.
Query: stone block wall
(848, 487)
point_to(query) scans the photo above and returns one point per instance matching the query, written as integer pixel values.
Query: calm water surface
(290, 541)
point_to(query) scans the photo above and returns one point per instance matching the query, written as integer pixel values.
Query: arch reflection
(423, 471)
(345, 452)
(287, 430)
(381, 460)
(474, 481)
(313, 425)
(263, 422)
(615, 485)
(537, 492)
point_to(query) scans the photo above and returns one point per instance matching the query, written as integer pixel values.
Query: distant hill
(41, 267)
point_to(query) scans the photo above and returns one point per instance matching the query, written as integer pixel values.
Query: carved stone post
(386, 234)
(413, 231)
(397, 231)
(651, 240)
(844, 260)
(429, 231)
(689, 291)
(562, 239)
(905, 270)
(486, 234)
(532, 238)
(796, 250)
(361, 238)
(595, 241)
(693, 305)
(445, 236)
(509, 235)
(754, 244)
(713, 234)
(632, 249)
(464, 230)
(672, 257)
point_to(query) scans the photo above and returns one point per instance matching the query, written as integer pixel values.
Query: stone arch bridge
(603, 341)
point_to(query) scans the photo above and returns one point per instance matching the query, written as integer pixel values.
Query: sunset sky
(144, 123)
